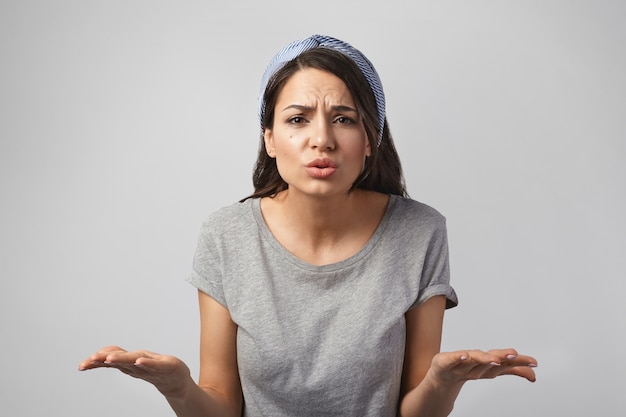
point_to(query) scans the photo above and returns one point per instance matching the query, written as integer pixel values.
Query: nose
(322, 136)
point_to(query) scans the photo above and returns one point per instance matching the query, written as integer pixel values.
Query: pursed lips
(322, 163)
(321, 168)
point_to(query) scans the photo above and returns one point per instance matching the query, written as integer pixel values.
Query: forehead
(311, 84)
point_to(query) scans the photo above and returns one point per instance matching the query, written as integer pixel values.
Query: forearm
(430, 399)
(195, 401)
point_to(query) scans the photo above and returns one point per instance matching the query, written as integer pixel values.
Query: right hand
(168, 374)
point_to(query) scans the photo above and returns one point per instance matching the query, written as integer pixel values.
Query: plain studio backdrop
(123, 124)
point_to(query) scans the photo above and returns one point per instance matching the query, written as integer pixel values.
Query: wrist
(178, 390)
(442, 384)
(433, 397)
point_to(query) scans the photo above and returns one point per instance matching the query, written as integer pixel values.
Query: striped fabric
(294, 49)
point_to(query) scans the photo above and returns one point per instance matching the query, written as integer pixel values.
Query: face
(318, 137)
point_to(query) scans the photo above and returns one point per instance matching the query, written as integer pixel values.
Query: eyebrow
(305, 109)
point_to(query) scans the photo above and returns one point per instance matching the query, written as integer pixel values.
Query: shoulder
(230, 219)
(408, 211)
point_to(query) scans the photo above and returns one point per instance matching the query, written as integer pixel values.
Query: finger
(102, 354)
(513, 364)
(448, 360)
(512, 357)
(97, 359)
(88, 364)
(465, 364)
(508, 358)
(126, 358)
(161, 364)
(522, 366)
(504, 354)
(522, 371)
(484, 358)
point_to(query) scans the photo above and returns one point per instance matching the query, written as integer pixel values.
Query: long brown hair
(382, 172)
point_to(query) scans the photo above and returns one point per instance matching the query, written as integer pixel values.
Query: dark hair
(382, 172)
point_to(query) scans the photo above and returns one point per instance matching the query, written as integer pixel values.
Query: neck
(324, 230)
(326, 216)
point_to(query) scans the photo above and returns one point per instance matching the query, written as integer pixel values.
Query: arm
(218, 392)
(431, 381)
(423, 341)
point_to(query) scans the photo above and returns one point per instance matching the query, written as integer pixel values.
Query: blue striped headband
(294, 49)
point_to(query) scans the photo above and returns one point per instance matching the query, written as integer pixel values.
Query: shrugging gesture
(323, 292)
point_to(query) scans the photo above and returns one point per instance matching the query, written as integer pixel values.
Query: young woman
(323, 293)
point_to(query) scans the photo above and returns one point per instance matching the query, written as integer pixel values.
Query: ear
(268, 137)
(368, 148)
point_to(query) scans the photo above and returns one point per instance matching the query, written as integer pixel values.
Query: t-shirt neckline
(336, 266)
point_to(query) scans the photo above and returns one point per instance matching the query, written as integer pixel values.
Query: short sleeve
(206, 273)
(435, 279)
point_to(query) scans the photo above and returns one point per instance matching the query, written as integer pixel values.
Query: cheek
(360, 149)
(286, 156)
(288, 145)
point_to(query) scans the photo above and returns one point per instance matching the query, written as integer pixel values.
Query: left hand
(449, 368)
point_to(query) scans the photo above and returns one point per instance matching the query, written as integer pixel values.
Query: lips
(321, 168)
(321, 163)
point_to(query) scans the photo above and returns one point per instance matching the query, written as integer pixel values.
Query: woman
(322, 293)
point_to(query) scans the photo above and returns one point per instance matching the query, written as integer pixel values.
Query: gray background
(124, 123)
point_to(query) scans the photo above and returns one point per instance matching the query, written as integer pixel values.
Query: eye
(296, 120)
(343, 120)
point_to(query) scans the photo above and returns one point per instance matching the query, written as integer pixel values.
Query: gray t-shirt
(322, 340)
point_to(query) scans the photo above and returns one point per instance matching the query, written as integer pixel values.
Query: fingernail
(463, 358)
(139, 365)
(511, 357)
(532, 365)
(494, 364)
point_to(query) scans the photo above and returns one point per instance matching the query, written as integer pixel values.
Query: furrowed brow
(342, 108)
(306, 109)
(299, 107)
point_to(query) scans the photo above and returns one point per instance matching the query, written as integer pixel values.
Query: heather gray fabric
(322, 340)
